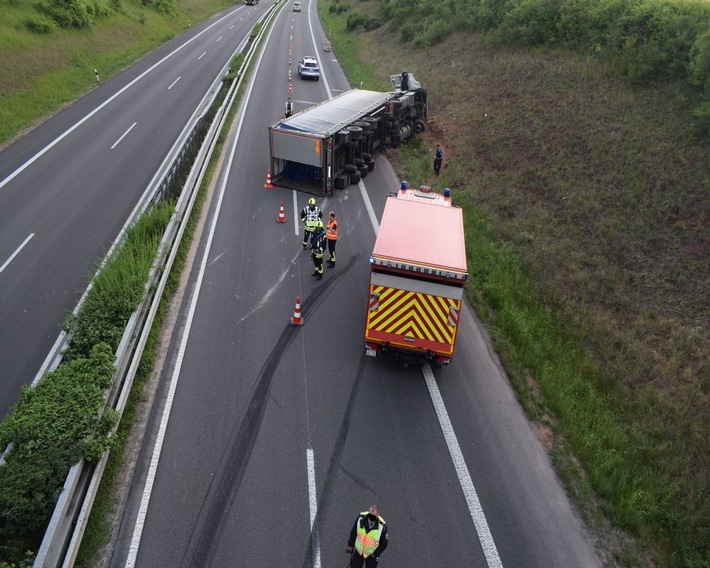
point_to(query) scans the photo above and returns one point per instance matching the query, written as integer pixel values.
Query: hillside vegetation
(583, 170)
(575, 136)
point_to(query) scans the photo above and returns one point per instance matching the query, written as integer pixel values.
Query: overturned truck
(334, 143)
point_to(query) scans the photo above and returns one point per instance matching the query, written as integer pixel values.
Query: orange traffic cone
(268, 179)
(290, 88)
(281, 218)
(297, 319)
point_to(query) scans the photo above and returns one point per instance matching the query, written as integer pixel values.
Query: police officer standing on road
(310, 216)
(368, 539)
(331, 235)
(318, 250)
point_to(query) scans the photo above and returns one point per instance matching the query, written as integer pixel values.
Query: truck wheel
(419, 126)
(366, 157)
(364, 125)
(355, 132)
(359, 162)
(349, 168)
(395, 141)
(363, 170)
(343, 136)
(370, 164)
(355, 178)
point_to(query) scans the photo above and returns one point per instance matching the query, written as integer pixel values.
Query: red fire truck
(417, 276)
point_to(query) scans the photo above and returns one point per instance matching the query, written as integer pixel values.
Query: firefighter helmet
(320, 224)
(312, 201)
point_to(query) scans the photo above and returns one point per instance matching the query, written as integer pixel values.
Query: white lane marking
(17, 250)
(220, 38)
(313, 39)
(173, 83)
(313, 506)
(157, 450)
(66, 133)
(117, 142)
(368, 206)
(201, 56)
(474, 505)
(230, 27)
(296, 217)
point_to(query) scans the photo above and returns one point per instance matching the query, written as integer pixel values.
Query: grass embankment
(41, 72)
(586, 214)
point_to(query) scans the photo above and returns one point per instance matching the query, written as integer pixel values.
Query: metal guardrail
(64, 533)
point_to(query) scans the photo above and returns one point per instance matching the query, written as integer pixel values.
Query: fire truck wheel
(355, 178)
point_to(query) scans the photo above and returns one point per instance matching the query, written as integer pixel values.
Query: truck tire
(359, 162)
(364, 125)
(349, 169)
(363, 170)
(370, 164)
(343, 136)
(366, 157)
(355, 132)
(395, 141)
(355, 178)
(419, 126)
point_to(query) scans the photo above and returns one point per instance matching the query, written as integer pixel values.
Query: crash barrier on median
(66, 528)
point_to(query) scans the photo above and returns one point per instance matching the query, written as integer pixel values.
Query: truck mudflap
(410, 322)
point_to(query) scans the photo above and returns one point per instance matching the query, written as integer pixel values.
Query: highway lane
(274, 437)
(68, 187)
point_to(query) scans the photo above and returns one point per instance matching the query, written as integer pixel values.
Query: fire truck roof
(423, 234)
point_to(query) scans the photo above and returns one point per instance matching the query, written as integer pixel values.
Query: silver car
(308, 67)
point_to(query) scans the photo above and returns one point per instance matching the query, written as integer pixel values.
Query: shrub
(372, 24)
(354, 21)
(51, 427)
(40, 25)
(699, 66)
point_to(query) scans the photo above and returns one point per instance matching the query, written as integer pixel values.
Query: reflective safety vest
(310, 217)
(331, 231)
(367, 542)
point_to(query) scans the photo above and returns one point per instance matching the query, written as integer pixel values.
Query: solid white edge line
(474, 505)
(155, 458)
(296, 218)
(17, 250)
(368, 206)
(313, 506)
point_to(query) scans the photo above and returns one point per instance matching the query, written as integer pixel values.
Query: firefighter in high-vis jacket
(368, 539)
(318, 250)
(331, 235)
(310, 216)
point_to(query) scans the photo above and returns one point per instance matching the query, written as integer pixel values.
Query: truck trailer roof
(416, 234)
(334, 114)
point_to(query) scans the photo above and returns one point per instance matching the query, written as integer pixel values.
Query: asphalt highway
(266, 440)
(68, 187)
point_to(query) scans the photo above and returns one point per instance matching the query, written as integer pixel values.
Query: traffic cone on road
(268, 179)
(297, 319)
(281, 217)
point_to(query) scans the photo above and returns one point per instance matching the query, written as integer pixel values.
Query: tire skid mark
(224, 487)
